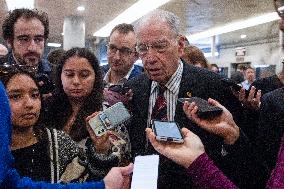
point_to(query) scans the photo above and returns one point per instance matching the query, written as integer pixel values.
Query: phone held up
(109, 119)
(167, 131)
(205, 110)
(230, 83)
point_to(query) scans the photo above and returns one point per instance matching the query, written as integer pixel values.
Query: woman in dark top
(9, 177)
(80, 94)
(40, 153)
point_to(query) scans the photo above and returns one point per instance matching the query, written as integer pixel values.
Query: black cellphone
(205, 110)
(167, 131)
(119, 89)
(230, 83)
(48, 86)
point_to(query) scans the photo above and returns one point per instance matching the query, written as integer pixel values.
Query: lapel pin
(188, 94)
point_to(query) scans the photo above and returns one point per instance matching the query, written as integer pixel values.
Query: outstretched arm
(200, 168)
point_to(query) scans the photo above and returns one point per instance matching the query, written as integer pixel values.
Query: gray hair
(159, 15)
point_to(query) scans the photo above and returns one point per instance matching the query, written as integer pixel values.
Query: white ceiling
(196, 15)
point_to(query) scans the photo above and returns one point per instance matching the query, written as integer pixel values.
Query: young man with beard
(25, 32)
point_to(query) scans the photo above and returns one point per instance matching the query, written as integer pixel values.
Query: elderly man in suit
(159, 47)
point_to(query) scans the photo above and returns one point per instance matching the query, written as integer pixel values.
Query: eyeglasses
(159, 47)
(46, 87)
(24, 39)
(124, 51)
(9, 68)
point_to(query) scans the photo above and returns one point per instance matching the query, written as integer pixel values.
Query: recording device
(47, 85)
(230, 83)
(119, 89)
(109, 118)
(205, 110)
(168, 131)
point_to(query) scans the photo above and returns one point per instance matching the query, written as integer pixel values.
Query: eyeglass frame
(124, 51)
(154, 47)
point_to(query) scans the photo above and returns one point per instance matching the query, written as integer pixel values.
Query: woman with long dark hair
(78, 96)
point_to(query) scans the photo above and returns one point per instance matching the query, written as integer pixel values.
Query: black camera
(45, 84)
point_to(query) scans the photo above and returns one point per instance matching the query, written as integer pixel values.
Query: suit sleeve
(14, 181)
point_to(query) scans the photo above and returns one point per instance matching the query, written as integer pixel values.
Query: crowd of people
(47, 141)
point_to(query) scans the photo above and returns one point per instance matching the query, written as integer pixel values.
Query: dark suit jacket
(271, 125)
(238, 165)
(266, 85)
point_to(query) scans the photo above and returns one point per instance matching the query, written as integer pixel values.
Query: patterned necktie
(159, 111)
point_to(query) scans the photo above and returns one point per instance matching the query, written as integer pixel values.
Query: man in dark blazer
(271, 126)
(159, 48)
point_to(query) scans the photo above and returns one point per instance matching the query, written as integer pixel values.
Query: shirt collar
(121, 81)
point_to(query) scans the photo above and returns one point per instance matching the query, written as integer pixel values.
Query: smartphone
(205, 110)
(109, 118)
(119, 89)
(98, 126)
(167, 131)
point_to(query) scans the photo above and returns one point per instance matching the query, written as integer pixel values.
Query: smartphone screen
(167, 131)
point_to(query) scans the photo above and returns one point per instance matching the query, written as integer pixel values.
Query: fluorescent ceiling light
(131, 14)
(233, 26)
(280, 9)
(54, 44)
(16, 4)
(243, 36)
(80, 8)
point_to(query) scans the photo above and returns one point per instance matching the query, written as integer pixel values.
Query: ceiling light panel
(80, 8)
(54, 44)
(233, 26)
(131, 14)
(16, 4)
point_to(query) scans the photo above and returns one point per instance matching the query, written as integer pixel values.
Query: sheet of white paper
(145, 173)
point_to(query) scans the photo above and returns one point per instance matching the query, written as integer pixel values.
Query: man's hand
(252, 101)
(222, 125)
(183, 154)
(118, 177)
(113, 97)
